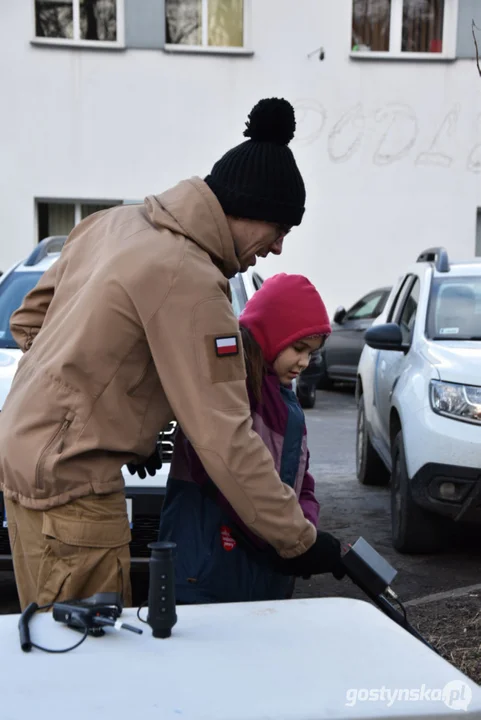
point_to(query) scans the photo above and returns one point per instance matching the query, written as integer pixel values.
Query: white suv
(419, 401)
(144, 496)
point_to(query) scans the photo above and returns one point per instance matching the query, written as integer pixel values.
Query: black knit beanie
(259, 178)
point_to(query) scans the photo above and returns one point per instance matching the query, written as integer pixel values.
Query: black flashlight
(162, 615)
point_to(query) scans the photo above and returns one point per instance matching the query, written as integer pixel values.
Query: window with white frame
(59, 217)
(404, 27)
(81, 21)
(205, 23)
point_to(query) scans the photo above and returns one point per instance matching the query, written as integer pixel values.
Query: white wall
(122, 124)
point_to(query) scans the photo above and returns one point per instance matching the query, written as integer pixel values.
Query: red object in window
(436, 45)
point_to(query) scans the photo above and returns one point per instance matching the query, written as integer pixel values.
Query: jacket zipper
(41, 465)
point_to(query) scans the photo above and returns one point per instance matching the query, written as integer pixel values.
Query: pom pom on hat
(271, 120)
(286, 309)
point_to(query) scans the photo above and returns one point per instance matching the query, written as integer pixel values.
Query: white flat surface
(301, 659)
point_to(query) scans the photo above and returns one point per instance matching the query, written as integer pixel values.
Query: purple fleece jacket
(269, 419)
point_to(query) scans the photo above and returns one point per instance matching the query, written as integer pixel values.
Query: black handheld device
(373, 575)
(162, 614)
(88, 616)
(93, 614)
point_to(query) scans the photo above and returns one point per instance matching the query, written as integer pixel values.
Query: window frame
(118, 44)
(77, 204)
(403, 290)
(205, 49)
(450, 29)
(415, 282)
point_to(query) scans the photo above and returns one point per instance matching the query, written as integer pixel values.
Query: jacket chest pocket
(52, 451)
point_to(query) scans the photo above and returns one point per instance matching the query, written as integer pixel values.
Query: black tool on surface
(162, 614)
(373, 575)
(87, 616)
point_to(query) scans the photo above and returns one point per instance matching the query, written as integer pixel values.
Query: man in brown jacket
(126, 331)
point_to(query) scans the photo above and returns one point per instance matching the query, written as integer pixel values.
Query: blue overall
(206, 570)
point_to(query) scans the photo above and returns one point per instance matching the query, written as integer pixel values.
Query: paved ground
(350, 510)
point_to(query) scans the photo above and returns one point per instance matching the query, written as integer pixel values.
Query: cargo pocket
(53, 578)
(86, 549)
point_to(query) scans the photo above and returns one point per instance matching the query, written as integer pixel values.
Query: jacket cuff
(306, 541)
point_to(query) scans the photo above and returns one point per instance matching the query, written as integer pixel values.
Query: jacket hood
(284, 310)
(191, 209)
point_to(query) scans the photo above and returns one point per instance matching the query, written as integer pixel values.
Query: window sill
(207, 50)
(417, 57)
(92, 44)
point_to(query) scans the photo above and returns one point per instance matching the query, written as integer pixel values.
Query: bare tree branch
(475, 27)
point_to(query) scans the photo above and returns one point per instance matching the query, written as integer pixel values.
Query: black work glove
(322, 557)
(151, 465)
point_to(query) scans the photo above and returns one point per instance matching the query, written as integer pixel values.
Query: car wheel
(414, 529)
(370, 468)
(307, 397)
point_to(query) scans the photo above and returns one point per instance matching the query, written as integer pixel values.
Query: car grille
(4, 542)
(166, 440)
(145, 531)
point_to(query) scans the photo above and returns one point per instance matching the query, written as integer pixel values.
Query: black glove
(151, 465)
(322, 557)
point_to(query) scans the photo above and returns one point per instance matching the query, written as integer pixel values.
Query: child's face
(294, 359)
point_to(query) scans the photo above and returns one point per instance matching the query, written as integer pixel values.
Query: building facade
(107, 101)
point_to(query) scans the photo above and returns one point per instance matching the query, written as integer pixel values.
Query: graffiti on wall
(394, 130)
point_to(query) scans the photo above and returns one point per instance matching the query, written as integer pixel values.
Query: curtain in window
(226, 23)
(371, 24)
(183, 22)
(98, 20)
(423, 22)
(54, 18)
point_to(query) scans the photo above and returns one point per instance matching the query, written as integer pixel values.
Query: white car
(419, 401)
(144, 496)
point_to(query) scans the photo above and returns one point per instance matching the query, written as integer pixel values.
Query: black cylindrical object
(162, 615)
(23, 629)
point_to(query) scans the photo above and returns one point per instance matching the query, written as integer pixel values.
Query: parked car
(343, 348)
(144, 497)
(419, 401)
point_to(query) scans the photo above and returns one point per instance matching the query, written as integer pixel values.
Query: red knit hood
(285, 309)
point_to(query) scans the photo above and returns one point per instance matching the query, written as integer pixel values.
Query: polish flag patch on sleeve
(225, 346)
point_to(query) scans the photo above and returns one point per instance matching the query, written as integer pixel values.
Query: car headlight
(460, 402)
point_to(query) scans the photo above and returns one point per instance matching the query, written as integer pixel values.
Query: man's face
(255, 238)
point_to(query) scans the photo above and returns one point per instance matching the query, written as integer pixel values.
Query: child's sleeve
(307, 498)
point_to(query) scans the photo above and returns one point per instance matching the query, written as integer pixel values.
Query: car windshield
(455, 309)
(12, 291)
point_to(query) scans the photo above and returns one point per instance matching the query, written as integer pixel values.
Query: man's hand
(151, 465)
(322, 557)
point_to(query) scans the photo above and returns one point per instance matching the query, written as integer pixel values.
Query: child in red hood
(218, 559)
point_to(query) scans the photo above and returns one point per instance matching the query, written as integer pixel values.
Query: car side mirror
(340, 315)
(386, 337)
